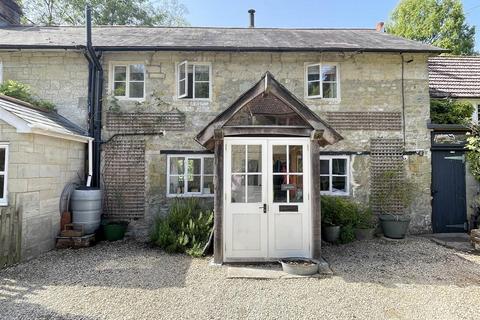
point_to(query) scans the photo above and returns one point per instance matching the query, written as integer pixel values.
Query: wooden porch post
(218, 205)
(315, 191)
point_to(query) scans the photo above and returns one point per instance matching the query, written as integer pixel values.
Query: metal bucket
(87, 208)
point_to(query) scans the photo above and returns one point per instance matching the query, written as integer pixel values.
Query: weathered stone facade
(368, 82)
(39, 167)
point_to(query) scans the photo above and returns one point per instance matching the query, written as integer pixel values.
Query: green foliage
(106, 12)
(448, 111)
(437, 22)
(22, 92)
(347, 234)
(365, 219)
(185, 229)
(394, 188)
(473, 154)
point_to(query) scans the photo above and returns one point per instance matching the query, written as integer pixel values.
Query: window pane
(137, 72)
(202, 73)
(182, 71)
(194, 166)
(339, 184)
(324, 183)
(279, 195)
(295, 154)
(182, 86)
(254, 158)
(202, 90)
(238, 158)
(313, 73)
(279, 158)
(339, 166)
(193, 183)
(2, 160)
(254, 189)
(296, 194)
(136, 89)
(119, 89)
(324, 167)
(208, 185)
(176, 185)
(177, 165)
(238, 188)
(329, 90)
(2, 181)
(208, 165)
(329, 73)
(120, 73)
(314, 88)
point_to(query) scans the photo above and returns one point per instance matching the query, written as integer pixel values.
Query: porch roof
(268, 86)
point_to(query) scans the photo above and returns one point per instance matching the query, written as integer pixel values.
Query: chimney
(252, 18)
(10, 13)
(379, 27)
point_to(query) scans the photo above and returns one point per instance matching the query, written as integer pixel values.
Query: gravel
(377, 279)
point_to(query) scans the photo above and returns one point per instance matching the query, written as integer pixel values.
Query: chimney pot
(379, 27)
(252, 18)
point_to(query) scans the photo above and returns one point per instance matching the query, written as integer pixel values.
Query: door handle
(264, 207)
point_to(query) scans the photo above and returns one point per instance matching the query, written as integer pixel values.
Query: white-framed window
(190, 175)
(194, 80)
(1, 72)
(3, 174)
(128, 81)
(335, 175)
(322, 81)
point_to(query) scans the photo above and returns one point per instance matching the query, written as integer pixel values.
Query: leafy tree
(437, 22)
(448, 111)
(105, 12)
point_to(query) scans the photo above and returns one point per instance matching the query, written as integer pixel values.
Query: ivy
(473, 154)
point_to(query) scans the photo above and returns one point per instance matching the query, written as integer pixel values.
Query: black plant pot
(331, 233)
(364, 234)
(394, 226)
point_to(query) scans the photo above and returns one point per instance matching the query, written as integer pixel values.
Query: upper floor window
(334, 175)
(3, 174)
(193, 80)
(128, 81)
(322, 81)
(190, 175)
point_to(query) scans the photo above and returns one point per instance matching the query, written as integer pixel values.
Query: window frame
(185, 174)
(187, 63)
(127, 65)
(4, 200)
(320, 66)
(331, 175)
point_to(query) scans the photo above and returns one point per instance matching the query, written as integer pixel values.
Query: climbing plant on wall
(473, 154)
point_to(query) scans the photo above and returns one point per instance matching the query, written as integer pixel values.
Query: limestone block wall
(368, 82)
(60, 77)
(38, 170)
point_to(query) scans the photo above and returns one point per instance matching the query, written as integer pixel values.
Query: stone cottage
(268, 119)
(40, 153)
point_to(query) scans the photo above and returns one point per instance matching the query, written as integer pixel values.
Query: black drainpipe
(95, 88)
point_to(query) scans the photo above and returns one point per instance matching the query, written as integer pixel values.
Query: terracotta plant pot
(394, 226)
(364, 234)
(331, 233)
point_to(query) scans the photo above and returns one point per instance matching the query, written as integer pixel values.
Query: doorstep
(457, 241)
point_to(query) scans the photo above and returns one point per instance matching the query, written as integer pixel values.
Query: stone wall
(58, 77)
(39, 168)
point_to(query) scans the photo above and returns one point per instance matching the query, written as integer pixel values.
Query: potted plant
(115, 230)
(330, 223)
(395, 195)
(365, 224)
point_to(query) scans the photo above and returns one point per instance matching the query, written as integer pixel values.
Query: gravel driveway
(378, 279)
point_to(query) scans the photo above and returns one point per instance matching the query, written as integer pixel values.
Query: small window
(322, 81)
(190, 175)
(193, 80)
(3, 174)
(129, 81)
(334, 175)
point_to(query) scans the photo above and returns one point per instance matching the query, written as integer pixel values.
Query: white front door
(266, 214)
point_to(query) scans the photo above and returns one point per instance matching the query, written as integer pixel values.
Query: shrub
(365, 219)
(347, 234)
(22, 92)
(185, 229)
(448, 111)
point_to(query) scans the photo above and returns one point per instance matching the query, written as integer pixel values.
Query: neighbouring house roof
(210, 39)
(264, 89)
(454, 76)
(27, 119)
